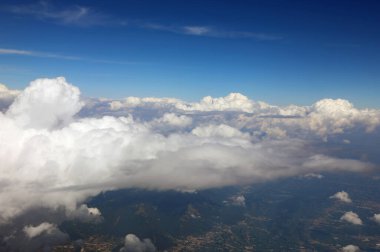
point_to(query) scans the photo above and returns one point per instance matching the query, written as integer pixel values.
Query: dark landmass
(286, 215)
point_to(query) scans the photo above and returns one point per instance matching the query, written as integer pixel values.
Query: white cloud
(330, 116)
(232, 102)
(46, 103)
(51, 157)
(133, 244)
(338, 164)
(325, 118)
(174, 120)
(376, 218)
(36, 237)
(342, 196)
(352, 218)
(313, 175)
(43, 228)
(350, 248)
(131, 102)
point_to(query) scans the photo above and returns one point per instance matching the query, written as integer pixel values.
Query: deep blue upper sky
(277, 51)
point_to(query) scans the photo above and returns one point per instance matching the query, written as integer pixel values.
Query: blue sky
(281, 52)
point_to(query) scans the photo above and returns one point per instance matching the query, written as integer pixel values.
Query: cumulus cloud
(43, 228)
(57, 151)
(231, 102)
(342, 196)
(41, 237)
(133, 244)
(325, 118)
(350, 248)
(352, 218)
(333, 116)
(46, 103)
(376, 218)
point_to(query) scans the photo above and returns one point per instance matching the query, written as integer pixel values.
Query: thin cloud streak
(207, 31)
(84, 16)
(6, 51)
(16, 52)
(71, 15)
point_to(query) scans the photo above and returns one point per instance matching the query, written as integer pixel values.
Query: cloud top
(46, 103)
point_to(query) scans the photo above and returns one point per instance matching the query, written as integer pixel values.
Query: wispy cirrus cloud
(76, 15)
(85, 16)
(10, 51)
(209, 31)
(212, 32)
(17, 52)
(197, 30)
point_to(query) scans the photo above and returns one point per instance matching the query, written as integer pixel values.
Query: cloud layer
(57, 149)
